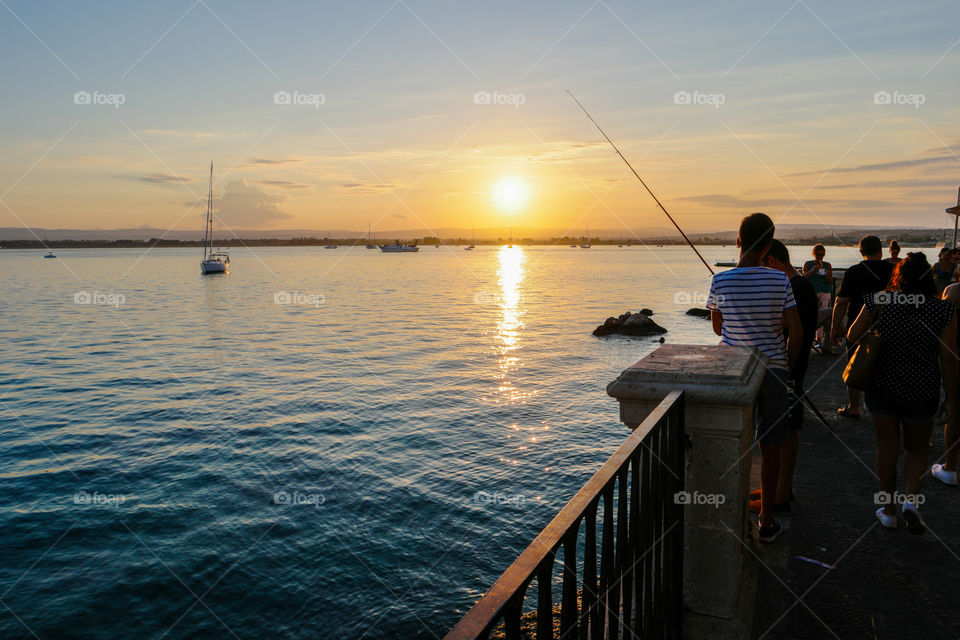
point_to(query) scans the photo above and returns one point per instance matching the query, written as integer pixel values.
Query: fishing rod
(657, 200)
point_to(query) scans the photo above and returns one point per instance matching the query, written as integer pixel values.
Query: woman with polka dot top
(918, 334)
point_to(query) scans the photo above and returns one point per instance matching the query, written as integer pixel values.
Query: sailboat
(50, 254)
(473, 245)
(214, 261)
(510, 246)
(586, 243)
(370, 244)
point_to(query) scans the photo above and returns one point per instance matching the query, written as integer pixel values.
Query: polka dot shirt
(908, 366)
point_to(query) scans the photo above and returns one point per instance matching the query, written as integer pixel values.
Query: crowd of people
(907, 305)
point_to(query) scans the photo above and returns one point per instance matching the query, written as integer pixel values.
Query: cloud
(260, 161)
(247, 205)
(882, 166)
(283, 184)
(368, 187)
(164, 178)
(722, 200)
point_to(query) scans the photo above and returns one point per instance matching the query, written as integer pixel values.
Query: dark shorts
(880, 403)
(773, 408)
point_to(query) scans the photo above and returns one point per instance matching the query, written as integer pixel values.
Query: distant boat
(472, 247)
(332, 246)
(370, 244)
(510, 246)
(396, 247)
(621, 242)
(586, 243)
(214, 261)
(50, 254)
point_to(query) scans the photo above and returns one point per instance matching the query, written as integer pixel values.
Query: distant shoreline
(844, 240)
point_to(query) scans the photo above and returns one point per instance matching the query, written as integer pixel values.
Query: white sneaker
(890, 522)
(944, 476)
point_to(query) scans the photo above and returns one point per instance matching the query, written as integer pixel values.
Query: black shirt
(808, 309)
(869, 276)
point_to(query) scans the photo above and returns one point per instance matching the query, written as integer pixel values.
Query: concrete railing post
(721, 384)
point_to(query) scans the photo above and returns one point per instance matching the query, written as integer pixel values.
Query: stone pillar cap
(710, 374)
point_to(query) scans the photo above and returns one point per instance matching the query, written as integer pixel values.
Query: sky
(404, 114)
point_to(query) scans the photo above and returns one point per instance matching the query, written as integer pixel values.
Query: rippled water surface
(187, 456)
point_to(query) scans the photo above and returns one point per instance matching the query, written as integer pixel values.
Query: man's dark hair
(870, 245)
(779, 251)
(756, 232)
(819, 247)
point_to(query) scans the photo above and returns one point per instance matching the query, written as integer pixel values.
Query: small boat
(50, 254)
(214, 260)
(370, 244)
(396, 247)
(510, 246)
(332, 246)
(586, 243)
(472, 246)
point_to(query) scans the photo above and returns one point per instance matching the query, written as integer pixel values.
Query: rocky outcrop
(630, 324)
(700, 313)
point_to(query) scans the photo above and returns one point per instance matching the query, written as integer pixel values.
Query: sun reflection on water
(510, 320)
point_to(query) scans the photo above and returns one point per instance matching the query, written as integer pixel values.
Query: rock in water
(700, 313)
(646, 312)
(630, 324)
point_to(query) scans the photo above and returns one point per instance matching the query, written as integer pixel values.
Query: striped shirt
(753, 301)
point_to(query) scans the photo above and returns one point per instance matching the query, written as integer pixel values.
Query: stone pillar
(721, 384)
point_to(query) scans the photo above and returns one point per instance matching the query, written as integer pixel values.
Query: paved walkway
(886, 584)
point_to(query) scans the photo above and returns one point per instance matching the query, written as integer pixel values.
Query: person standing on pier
(945, 269)
(869, 276)
(919, 334)
(778, 258)
(820, 274)
(894, 253)
(750, 306)
(947, 472)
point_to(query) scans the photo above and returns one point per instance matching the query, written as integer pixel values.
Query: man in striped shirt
(751, 306)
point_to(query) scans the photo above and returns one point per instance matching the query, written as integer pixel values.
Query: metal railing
(638, 592)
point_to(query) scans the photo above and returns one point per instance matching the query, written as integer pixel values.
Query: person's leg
(788, 464)
(853, 401)
(916, 442)
(772, 415)
(888, 452)
(769, 476)
(951, 443)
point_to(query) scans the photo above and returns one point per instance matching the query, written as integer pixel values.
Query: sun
(510, 193)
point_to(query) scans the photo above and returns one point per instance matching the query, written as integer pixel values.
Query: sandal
(846, 413)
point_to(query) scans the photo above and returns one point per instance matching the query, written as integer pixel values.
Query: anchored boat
(214, 260)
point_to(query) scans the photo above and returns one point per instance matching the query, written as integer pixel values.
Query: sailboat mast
(208, 226)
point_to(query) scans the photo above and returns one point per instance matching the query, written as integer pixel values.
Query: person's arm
(807, 272)
(829, 268)
(860, 326)
(716, 318)
(840, 307)
(948, 364)
(791, 319)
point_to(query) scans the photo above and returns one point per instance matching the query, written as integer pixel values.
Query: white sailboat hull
(212, 266)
